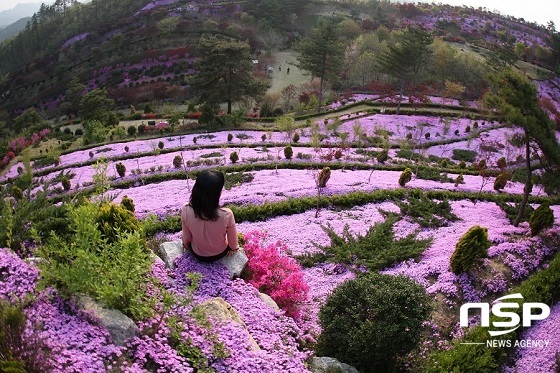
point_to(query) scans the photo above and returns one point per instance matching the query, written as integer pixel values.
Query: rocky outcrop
(326, 364)
(218, 310)
(119, 326)
(235, 263)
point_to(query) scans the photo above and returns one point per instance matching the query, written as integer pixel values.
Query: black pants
(209, 259)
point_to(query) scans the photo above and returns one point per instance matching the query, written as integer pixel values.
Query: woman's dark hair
(205, 195)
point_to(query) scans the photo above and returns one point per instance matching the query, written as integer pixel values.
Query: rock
(326, 364)
(269, 301)
(156, 258)
(169, 251)
(219, 310)
(119, 326)
(235, 263)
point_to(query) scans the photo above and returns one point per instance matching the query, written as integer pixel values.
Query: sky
(540, 11)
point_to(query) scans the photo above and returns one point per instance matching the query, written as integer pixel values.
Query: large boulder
(269, 301)
(326, 364)
(119, 325)
(169, 251)
(220, 311)
(234, 263)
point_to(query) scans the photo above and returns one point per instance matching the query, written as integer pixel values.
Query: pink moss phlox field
(17, 278)
(268, 186)
(540, 359)
(274, 273)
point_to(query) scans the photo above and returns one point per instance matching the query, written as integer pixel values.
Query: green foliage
(229, 137)
(234, 179)
(114, 272)
(127, 203)
(469, 251)
(459, 180)
(233, 157)
(211, 155)
(288, 152)
(113, 219)
(95, 132)
(131, 130)
(382, 156)
(501, 180)
(16, 192)
(544, 284)
(65, 183)
(502, 163)
(323, 177)
(121, 169)
(462, 165)
(95, 106)
(177, 161)
(372, 321)
(12, 346)
(141, 129)
(543, 217)
(160, 145)
(295, 138)
(376, 250)
(427, 212)
(405, 177)
(512, 211)
(464, 155)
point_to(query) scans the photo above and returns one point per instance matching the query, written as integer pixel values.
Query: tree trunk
(528, 185)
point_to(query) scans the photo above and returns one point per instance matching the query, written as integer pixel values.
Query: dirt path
(281, 78)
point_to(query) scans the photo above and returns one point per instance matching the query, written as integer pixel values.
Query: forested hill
(129, 47)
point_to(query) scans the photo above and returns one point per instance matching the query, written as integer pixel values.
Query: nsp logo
(498, 307)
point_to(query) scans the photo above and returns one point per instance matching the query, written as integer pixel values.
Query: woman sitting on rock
(209, 230)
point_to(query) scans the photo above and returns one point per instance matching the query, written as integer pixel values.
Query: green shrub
(12, 345)
(16, 192)
(115, 272)
(459, 180)
(126, 148)
(469, 251)
(464, 155)
(376, 250)
(462, 165)
(513, 210)
(112, 219)
(234, 157)
(65, 183)
(502, 163)
(323, 177)
(142, 129)
(543, 217)
(427, 212)
(160, 145)
(288, 152)
(121, 169)
(372, 321)
(405, 177)
(444, 163)
(127, 203)
(382, 156)
(229, 137)
(131, 130)
(295, 139)
(79, 132)
(501, 180)
(263, 137)
(177, 161)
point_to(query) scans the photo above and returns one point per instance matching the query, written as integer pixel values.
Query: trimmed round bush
(444, 163)
(501, 180)
(121, 169)
(234, 157)
(127, 203)
(543, 217)
(295, 139)
(229, 137)
(502, 163)
(160, 145)
(131, 130)
(79, 132)
(65, 183)
(471, 248)
(459, 180)
(288, 152)
(405, 177)
(371, 321)
(126, 148)
(263, 137)
(141, 129)
(324, 177)
(177, 161)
